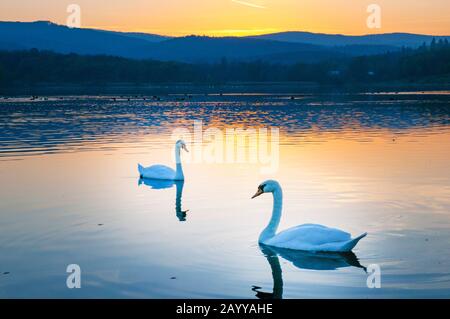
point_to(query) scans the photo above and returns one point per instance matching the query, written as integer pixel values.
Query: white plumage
(164, 172)
(307, 237)
(157, 172)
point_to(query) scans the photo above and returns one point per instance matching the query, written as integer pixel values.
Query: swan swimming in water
(165, 172)
(308, 237)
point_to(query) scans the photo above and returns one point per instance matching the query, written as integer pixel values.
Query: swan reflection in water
(163, 184)
(302, 260)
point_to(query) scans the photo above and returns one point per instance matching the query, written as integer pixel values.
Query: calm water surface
(70, 194)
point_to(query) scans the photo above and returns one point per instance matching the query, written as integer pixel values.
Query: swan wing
(157, 172)
(313, 234)
(312, 237)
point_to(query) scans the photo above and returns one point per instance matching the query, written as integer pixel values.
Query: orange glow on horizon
(239, 18)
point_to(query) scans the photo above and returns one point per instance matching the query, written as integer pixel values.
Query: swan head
(181, 144)
(268, 186)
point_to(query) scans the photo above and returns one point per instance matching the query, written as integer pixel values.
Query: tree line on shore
(30, 67)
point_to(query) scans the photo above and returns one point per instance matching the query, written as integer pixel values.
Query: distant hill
(49, 36)
(286, 48)
(426, 64)
(387, 39)
(200, 49)
(144, 36)
(44, 35)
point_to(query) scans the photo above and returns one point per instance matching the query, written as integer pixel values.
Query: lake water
(70, 194)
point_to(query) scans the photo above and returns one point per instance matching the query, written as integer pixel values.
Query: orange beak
(259, 192)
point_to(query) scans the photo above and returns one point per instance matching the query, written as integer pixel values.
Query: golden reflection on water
(349, 165)
(393, 183)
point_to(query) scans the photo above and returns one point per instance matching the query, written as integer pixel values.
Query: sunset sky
(238, 17)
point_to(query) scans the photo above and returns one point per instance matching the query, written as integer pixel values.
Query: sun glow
(238, 17)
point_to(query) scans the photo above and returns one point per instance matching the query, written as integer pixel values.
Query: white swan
(165, 172)
(308, 237)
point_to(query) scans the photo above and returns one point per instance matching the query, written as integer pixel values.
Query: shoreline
(258, 88)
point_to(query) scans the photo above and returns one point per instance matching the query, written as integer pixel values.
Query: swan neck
(272, 227)
(177, 154)
(179, 169)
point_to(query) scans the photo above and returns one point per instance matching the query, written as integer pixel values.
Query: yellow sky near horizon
(239, 17)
